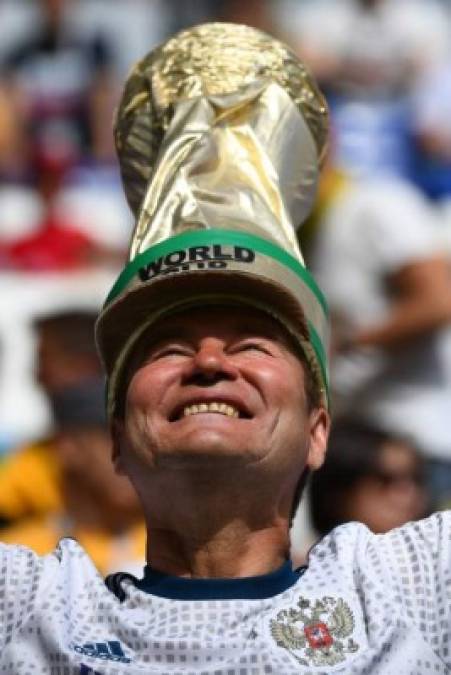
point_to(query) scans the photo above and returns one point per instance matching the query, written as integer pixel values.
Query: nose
(210, 363)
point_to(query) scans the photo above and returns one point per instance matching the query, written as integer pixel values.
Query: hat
(220, 133)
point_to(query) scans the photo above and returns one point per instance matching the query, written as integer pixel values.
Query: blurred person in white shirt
(382, 266)
(365, 46)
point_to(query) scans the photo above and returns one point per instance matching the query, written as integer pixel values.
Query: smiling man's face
(219, 387)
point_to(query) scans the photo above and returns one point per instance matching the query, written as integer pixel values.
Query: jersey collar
(245, 588)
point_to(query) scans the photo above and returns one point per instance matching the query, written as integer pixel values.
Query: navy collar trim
(246, 588)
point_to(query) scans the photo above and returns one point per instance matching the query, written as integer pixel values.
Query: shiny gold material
(220, 134)
(220, 127)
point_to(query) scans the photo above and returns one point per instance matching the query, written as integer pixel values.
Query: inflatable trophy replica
(220, 134)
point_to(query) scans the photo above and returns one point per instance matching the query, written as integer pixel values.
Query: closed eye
(250, 346)
(168, 351)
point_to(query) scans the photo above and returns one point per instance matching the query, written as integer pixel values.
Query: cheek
(138, 395)
(147, 389)
(284, 387)
(283, 392)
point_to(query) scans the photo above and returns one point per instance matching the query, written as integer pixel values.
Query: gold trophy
(220, 134)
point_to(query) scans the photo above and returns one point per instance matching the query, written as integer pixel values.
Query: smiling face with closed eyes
(218, 387)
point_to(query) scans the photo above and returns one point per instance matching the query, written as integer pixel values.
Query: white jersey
(365, 604)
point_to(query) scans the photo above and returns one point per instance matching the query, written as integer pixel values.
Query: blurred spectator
(252, 13)
(94, 504)
(191, 12)
(86, 227)
(56, 108)
(91, 201)
(66, 352)
(365, 47)
(367, 54)
(380, 263)
(431, 127)
(21, 214)
(59, 89)
(133, 27)
(66, 357)
(13, 143)
(369, 476)
(53, 246)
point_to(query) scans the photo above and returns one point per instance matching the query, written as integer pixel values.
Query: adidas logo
(108, 651)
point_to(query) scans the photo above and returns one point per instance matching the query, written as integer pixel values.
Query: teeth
(215, 407)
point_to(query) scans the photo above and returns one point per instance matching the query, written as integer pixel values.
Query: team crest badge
(316, 633)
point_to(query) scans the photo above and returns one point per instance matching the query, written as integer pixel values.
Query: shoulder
(430, 538)
(395, 556)
(342, 542)
(22, 567)
(36, 592)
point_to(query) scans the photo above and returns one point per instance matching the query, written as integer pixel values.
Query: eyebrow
(262, 329)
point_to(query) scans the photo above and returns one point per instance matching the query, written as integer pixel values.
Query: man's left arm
(417, 558)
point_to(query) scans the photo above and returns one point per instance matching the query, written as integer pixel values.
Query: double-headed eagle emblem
(316, 634)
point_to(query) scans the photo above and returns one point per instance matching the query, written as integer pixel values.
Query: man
(213, 341)
(217, 411)
(66, 358)
(91, 503)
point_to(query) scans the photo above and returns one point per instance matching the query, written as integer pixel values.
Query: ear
(319, 434)
(118, 439)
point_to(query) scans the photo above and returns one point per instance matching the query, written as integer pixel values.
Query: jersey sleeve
(417, 559)
(21, 573)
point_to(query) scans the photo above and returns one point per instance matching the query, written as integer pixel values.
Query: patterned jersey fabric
(365, 604)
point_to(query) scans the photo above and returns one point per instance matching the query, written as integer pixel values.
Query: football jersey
(366, 603)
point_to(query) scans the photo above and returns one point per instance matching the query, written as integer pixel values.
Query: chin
(207, 450)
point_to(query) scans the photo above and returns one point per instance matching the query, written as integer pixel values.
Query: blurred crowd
(378, 242)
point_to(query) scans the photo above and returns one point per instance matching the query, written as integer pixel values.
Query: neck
(235, 551)
(217, 531)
